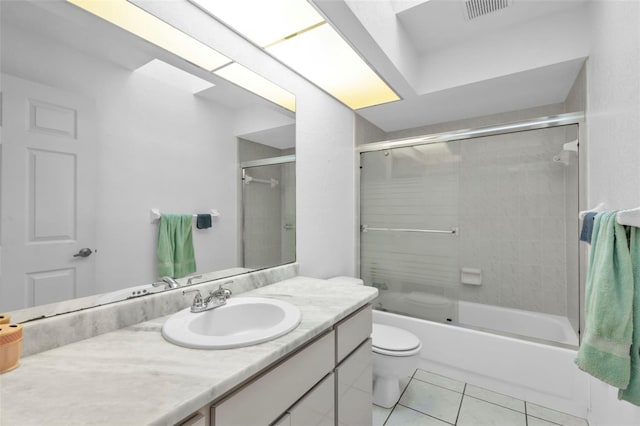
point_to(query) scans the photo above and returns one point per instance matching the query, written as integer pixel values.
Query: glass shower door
(481, 232)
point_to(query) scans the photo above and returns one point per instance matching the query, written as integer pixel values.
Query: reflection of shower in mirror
(565, 155)
(273, 182)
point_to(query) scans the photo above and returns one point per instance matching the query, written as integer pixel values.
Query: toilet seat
(393, 341)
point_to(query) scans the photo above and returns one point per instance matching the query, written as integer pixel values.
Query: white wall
(326, 193)
(613, 124)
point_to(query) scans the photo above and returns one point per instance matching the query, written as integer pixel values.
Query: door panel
(52, 196)
(48, 211)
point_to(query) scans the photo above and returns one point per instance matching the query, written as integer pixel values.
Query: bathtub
(515, 321)
(439, 308)
(539, 373)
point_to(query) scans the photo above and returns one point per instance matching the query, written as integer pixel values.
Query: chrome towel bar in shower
(454, 231)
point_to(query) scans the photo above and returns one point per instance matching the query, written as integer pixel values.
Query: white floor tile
(380, 415)
(432, 400)
(436, 379)
(403, 416)
(534, 421)
(496, 398)
(554, 416)
(475, 412)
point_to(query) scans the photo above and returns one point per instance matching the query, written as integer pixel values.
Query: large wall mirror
(95, 142)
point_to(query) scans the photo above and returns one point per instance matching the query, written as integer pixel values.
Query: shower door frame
(559, 120)
(271, 161)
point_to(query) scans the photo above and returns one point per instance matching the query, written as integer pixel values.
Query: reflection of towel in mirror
(176, 257)
(203, 221)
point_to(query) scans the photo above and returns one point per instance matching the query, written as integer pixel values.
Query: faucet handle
(198, 304)
(193, 277)
(224, 292)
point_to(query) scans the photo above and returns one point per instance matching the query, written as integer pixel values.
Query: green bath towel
(632, 392)
(604, 352)
(176, 257)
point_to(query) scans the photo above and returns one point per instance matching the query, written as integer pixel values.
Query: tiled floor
(433, 400)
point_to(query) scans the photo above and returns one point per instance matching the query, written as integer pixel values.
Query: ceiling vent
(476, 8)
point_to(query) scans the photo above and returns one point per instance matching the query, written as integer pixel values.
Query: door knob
(84, 252)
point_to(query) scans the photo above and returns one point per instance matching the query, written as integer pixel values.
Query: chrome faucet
(193, 277)
(215, 299)
(168, 283)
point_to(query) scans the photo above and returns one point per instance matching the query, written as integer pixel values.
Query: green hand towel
(604, 352)
(632, 392)
(176, 257)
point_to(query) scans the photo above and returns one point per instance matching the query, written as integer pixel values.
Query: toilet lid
(393, 339)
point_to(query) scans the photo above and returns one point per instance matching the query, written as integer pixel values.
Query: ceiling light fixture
(149, 27)
(244, 77)
(297, 35)
(143, 24)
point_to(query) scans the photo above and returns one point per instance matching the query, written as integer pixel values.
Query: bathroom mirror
(95, 144)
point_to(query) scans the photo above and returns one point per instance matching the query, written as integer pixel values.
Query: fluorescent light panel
(147, 26)
(263, 21)
(317, 52)
(257, 84)
(143, 24)
(323, 57)
(173, 76)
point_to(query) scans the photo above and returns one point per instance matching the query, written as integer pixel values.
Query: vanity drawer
(317, 407)
(352, 331)
(354, 387)
(263, 400)
(197, 419)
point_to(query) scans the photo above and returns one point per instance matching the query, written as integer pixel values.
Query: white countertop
(132, 376)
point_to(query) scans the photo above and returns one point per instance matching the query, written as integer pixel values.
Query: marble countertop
(132, 376)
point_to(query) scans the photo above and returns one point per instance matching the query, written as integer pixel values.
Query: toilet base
(386, 391)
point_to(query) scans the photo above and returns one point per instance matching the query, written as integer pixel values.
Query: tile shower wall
(507, 197)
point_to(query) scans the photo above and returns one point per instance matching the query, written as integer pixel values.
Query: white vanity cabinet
(354, 370)
(353, 390)
(317, 408)
(265, 399)
(326, 383)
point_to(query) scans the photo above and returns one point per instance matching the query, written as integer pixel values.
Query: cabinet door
(355, 385)
(262, 401)
(285, 420)
(316, 408)
(352, 331)
(198, 419)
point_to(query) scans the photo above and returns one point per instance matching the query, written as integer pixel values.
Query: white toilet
(395, 356)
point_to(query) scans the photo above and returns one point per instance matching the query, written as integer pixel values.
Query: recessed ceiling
(438, 24)
(448, 67)
(528, 89)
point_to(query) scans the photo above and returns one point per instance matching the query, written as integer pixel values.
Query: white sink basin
(243, 321)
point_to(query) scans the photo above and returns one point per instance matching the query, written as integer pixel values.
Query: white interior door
(48, 178)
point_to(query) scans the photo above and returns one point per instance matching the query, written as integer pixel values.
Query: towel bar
(154, 215)
(453, 231)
